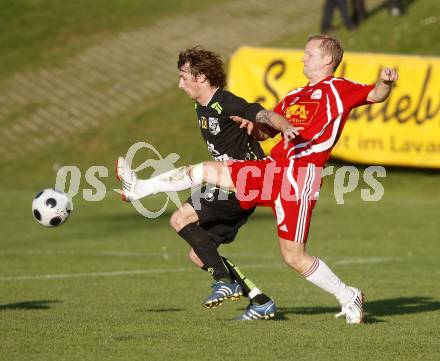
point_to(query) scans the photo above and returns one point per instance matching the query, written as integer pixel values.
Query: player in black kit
(212, 216)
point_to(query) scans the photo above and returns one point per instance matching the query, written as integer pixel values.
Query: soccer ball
(51, 207)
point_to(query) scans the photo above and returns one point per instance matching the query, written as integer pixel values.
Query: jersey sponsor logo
(203, 123)
(301, 113)
(317, 94)
(214, 126)
(217, 107)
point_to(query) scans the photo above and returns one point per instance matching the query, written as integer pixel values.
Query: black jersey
(223, 136)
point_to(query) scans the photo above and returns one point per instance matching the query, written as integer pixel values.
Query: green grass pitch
(112, 285)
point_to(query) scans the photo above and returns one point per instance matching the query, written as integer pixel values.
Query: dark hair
(330, 46)
(204, 62)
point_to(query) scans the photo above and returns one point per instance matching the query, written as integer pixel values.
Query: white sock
(173, 180)
(254, 292)
(323, 277)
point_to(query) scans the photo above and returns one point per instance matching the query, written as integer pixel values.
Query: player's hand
(290, 133)
(244, 123)
(389, 75)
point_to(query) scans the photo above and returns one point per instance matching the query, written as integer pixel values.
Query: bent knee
(294, 261)
(183, 216)
(176, 221)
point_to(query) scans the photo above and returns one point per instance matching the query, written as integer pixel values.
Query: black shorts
(219, 213)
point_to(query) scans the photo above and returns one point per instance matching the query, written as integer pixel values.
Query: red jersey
(322, 110)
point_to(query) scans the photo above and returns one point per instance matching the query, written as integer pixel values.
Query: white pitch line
(118, 273)
(111, 253)
(94, 274)
(176, 270)
(350, 261)
(83, 253)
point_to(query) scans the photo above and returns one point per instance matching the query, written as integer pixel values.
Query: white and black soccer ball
(51, 207)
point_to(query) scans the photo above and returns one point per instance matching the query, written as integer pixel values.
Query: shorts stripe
(292, 180)
(303, 211)
(307, 197)
(302, 206)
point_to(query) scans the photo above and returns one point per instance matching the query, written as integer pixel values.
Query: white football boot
(128, 179)
(353, 311)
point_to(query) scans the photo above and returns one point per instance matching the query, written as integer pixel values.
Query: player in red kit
(289, 179)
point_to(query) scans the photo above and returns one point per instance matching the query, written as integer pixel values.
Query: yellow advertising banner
(403, 131)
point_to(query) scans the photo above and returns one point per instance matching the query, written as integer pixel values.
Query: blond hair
(329, 46)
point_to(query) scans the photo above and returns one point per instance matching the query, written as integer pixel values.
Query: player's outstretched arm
(259, 131)
(280, 123)
(270, 119)
(387, 78)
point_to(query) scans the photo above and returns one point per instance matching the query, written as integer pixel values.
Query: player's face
(188, 82)
(313, 59)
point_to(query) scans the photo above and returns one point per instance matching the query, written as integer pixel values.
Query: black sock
(206, 249)
(260, 299)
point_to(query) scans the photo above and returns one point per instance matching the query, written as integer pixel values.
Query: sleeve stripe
(303, 210)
